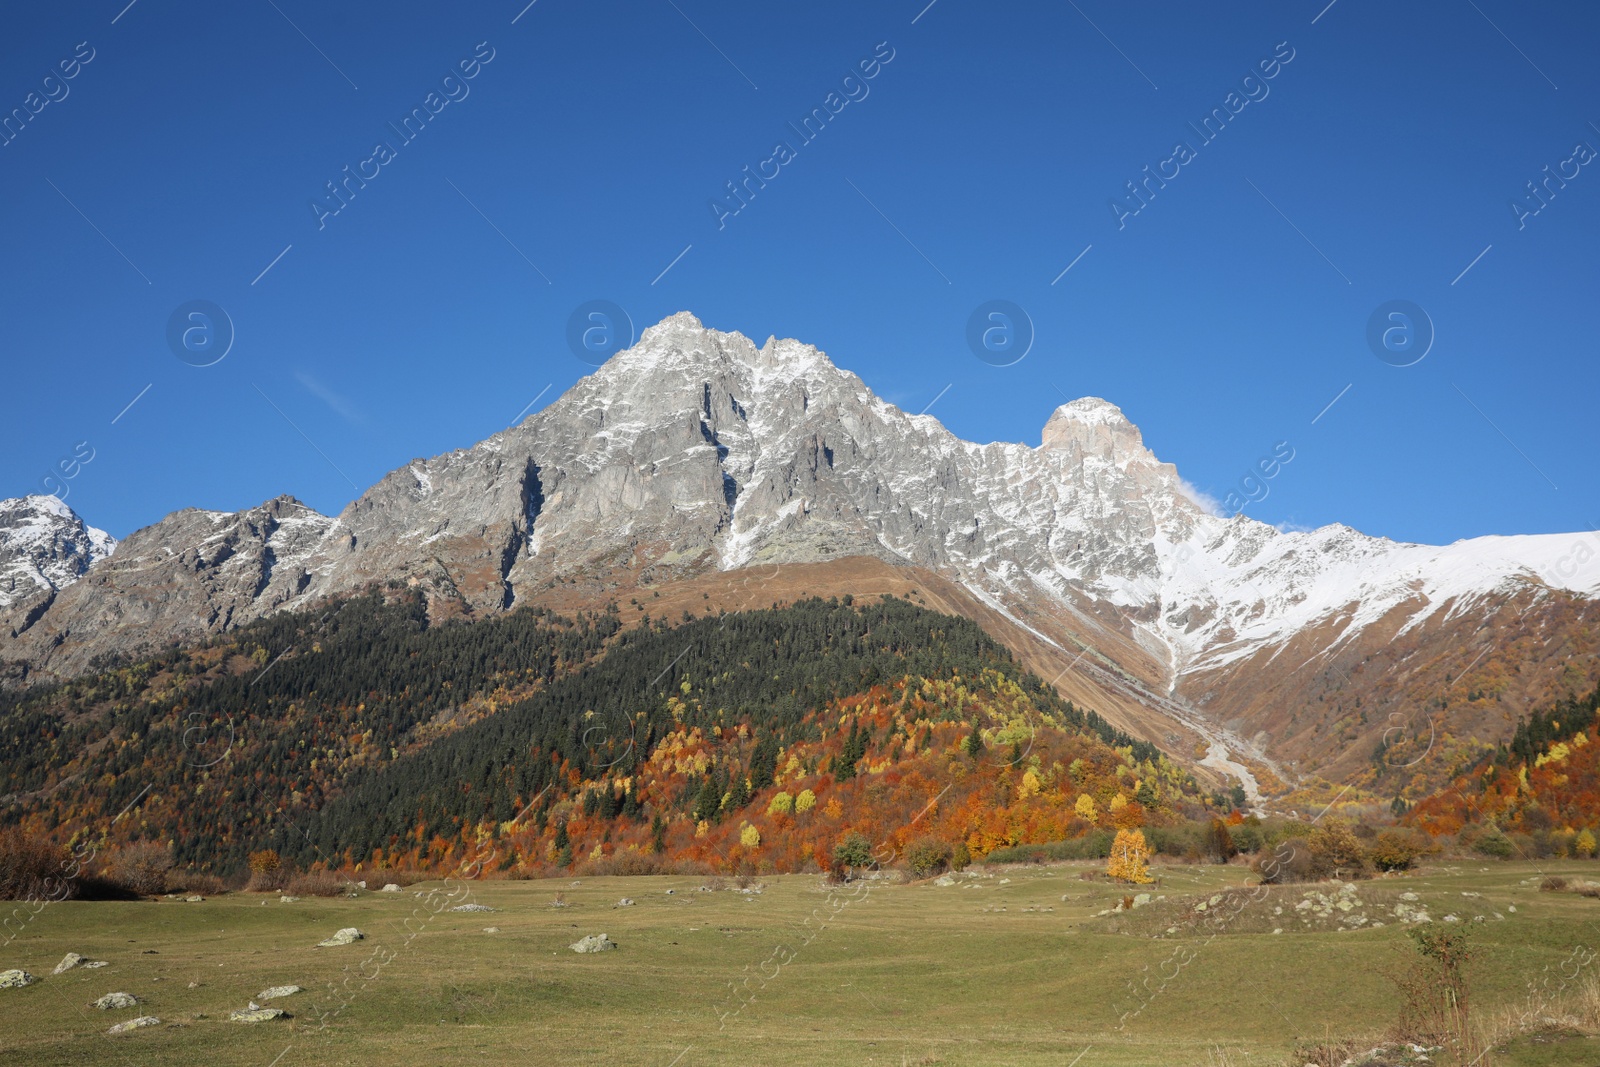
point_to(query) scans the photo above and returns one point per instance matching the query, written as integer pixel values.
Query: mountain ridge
(696, 451)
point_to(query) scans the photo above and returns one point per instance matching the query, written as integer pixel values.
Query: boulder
(257, 1015)
(594, 943)
(116, 1000)
(277, 991)
(625, 902)
(15, 979)
(72, 959)
(193, 899)
(491, 929)
(134, 1024)
(286, 900)
(349, 935)
(390, 888)
(472, 907)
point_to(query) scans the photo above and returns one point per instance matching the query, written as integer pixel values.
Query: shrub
(189, 881)
(32, 868)
(1553, 884)
(1493, 843)
(140, 868)
(1434, 991)
(927, 856)
(316, 884)
(1337, 853)
(267, 873)
(382, 876)
(960, 857)
(1394, 850)
(1288, 861)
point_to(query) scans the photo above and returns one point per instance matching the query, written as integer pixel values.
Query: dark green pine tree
(658, 833)
(709, 802)
(764, 763)
(563, 845)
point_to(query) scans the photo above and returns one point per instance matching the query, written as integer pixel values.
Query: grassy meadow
(1005, 966)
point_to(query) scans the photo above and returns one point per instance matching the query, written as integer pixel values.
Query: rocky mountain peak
(44, 546)
(1096, 427)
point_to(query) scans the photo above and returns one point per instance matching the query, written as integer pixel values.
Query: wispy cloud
(339, 404)
(1201, 499)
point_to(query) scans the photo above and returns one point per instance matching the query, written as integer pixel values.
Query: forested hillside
(363, 734)
(1543, 785)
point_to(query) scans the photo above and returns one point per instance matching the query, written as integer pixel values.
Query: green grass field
(1012, 968)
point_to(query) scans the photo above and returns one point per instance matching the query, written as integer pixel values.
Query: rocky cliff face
(698, 451)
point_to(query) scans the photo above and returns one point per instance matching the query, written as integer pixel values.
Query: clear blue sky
(1223, 317)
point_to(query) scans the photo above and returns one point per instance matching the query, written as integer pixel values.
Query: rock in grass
(72, 959)
(257, 1015)
(472, 907)
(134, 1024)
(16, 979)
(278, 991)
(116, 1000)
(390, 888)
(349, 935)
(491, 929)
(625, 902)
(594, 943)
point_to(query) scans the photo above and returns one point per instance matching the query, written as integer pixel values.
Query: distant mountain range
(700, 464)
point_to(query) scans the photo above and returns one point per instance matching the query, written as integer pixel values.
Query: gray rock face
(191, 575)
(257, 1015)
(593, 943)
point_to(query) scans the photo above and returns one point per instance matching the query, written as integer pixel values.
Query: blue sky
(1379, 163)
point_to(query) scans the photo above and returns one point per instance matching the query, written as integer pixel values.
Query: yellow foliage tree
(782, 804)
(1030, 784)
(1118, 802)
(804, 802)
(750, 837)
(1584, 846)
(1086, 807)
(1130, 858)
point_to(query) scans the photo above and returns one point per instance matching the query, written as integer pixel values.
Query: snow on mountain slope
(44, 546)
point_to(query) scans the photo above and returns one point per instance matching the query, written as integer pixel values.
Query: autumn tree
(1219, 844)
(1130, 858)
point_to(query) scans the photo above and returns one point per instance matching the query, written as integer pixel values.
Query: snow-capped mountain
(698, 451)
(44, 547)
